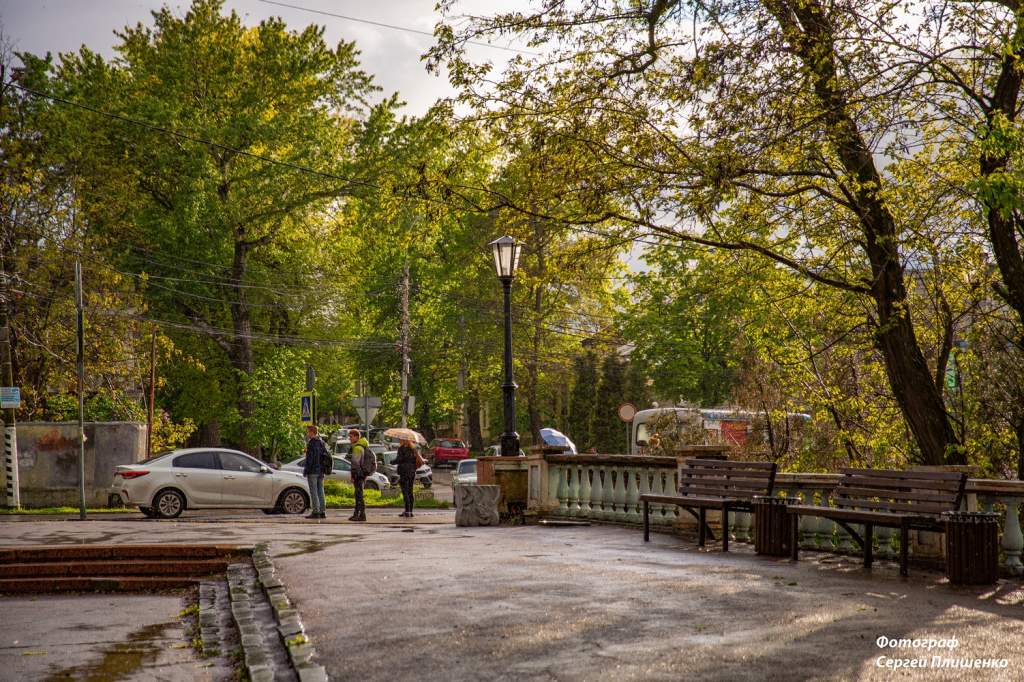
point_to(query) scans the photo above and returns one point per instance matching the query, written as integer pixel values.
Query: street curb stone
(293, 635)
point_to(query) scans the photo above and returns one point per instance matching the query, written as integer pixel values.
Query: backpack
(326, 461)
(368, 462)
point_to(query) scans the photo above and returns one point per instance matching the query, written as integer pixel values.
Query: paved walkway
(593, 603)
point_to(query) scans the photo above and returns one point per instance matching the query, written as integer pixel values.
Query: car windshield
(467, 467)
(451, 444)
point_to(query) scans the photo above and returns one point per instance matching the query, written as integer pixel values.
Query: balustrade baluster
(633, 514)
(608, 494)
(586, 507)
(554, 477)
(885, 536)
(563, 489)
(574, 490)
(1013, 540)
(620, 494)
(597, 495)
(657, 488)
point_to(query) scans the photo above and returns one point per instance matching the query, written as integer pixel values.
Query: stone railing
(607, 489)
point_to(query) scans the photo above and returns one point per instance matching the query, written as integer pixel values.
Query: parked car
(495, 450)
(465, 473)
(386, 465)
(208, 478)
(342, 471)
(447, 450)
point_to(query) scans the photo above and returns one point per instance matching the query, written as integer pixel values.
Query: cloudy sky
(392, 55)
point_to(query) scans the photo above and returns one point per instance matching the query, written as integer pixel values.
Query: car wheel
(293, 501)
(168, 504)
(426, 482)
(147, 512)
(372, 485)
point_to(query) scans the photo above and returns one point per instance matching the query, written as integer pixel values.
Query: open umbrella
(406, 434)
(555, 437)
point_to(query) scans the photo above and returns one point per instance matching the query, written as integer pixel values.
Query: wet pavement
(100, 637)
(426, 599)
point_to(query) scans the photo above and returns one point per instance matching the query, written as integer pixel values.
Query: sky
(392, 56)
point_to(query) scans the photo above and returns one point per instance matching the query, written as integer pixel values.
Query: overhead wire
(395, 27)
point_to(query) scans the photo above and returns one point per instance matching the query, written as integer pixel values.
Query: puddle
(301, 547)
(121, 660)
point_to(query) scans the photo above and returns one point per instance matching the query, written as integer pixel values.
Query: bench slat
(898, 484)
(885, 505)
(863, 516)
(750, 477)
(889, 473)
(725, 492)
(678, 500)
(728, 464)
(852, 491)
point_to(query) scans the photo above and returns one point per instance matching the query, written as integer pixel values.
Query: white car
(342, 471)
(465, 473)
(208, 478)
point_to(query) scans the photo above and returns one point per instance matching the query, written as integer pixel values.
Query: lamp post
(506, 258)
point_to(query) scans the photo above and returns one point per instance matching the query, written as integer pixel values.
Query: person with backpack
(317, 465)
(364, 463)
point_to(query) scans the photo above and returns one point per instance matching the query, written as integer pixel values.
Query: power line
(393, 26)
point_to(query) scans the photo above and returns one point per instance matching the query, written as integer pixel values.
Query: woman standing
(406, 462)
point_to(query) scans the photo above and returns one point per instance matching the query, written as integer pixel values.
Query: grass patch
(66, 510)
(337, 495)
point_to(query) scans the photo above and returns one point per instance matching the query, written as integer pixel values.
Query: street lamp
(506, 258)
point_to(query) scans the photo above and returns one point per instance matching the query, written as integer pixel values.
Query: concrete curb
(293, 635)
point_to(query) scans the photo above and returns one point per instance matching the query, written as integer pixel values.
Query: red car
(447, 450)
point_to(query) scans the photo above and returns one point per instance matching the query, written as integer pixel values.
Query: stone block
(476, 505)
(311, 673)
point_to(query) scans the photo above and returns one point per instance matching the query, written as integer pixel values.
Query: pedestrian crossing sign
(306, 408)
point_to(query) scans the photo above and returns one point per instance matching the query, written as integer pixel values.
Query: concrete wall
(48, 460)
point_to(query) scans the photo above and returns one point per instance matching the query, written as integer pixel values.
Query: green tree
(583, 401)
(232, 238)
(793, 139)
(609, 430)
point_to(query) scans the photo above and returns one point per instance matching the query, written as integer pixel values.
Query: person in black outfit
(406, 462)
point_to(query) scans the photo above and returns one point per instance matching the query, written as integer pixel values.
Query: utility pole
(152, 396)
(405, 342)
(10, 424)
(81, 390)
(463, 407)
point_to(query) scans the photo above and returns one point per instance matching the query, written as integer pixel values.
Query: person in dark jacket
(406, 463)
(316, 466)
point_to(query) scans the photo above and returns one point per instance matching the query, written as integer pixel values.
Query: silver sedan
(208, 478)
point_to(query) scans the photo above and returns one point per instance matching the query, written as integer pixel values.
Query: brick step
(109, 568)
(46, 553)
(95, 584)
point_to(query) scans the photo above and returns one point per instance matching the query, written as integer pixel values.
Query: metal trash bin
(972, 547)
(773, 526)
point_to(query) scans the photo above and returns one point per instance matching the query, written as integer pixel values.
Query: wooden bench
(891, 499)
(714, 484)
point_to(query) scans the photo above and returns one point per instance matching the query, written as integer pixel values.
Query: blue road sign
(306, 409)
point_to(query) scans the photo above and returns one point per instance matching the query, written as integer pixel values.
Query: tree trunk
(241, 354)
(808, 29)
(476, 439)
(1004, 222)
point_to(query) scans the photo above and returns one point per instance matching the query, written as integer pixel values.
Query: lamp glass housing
(506, 256)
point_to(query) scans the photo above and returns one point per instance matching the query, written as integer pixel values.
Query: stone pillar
(476, 505)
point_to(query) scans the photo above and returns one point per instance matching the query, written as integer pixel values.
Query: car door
(342, 471)
(245, 484)
(199, 476)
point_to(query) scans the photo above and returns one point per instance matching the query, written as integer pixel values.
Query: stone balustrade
(607, 489)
